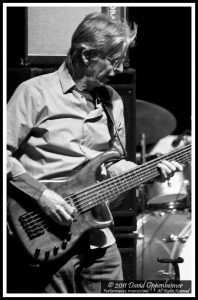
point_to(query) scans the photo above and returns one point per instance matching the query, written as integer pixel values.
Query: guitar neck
(149, 170)
(111, 188)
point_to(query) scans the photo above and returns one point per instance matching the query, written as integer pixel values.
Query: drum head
(172, 190)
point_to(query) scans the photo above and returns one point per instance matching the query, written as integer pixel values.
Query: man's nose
(119, 69)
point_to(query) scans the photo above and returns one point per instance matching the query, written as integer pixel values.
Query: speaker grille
(127, 93)
(128, 256)
(127, 246)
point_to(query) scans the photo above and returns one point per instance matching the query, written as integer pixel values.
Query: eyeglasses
(116, 62)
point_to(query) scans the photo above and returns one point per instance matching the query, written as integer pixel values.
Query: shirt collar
(65, 78)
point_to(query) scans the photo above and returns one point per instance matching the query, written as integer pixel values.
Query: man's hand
(168, 169)
(56, 207)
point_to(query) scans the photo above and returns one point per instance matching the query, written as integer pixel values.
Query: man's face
(100, 69)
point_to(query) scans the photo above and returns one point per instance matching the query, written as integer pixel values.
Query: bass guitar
(46, 241)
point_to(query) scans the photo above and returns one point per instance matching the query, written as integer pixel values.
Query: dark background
(161, 57)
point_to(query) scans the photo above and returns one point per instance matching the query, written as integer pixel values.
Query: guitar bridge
(33, 224)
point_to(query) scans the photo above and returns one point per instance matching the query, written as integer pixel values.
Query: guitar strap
(103, 93)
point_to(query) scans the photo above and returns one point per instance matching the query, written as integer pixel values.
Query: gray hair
(101, 35)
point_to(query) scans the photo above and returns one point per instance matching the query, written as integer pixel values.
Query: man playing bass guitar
(56, 125)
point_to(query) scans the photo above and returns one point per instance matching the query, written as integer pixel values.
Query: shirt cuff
(28, 185)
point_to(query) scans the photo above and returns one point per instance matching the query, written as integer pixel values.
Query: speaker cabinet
(50, 29)
(124, 208)
(41, 36)
(127, 246)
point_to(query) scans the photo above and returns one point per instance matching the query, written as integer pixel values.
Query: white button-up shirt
(52, 132)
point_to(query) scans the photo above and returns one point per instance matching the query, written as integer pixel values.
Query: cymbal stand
(143, 160)
(141, 191)
(143, 147)
(175, 263)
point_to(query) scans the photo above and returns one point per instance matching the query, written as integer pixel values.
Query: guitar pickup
(33, 225)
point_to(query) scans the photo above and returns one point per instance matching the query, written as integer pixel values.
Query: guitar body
(45, 240)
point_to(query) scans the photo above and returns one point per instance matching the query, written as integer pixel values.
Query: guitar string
(104, 196)
(87, 205)
(105, 182)
(93, 190)
(37, 218)
(43, 225)
(97, 187)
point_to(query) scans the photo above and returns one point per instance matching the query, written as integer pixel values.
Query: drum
(172, 190)
(185, 268)
(162, 234)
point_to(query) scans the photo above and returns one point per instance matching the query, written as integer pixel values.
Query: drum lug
(170, 238)
(183, 239)
(157, 213)
(174, 238)
(140, 236)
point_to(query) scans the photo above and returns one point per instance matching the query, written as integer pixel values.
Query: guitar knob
(55, 250)
(64, 244)
(47, 254)
(37, 252)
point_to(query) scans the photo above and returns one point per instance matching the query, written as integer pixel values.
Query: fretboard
(111, 188)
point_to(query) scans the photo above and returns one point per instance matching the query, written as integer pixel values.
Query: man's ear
(85, 56)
